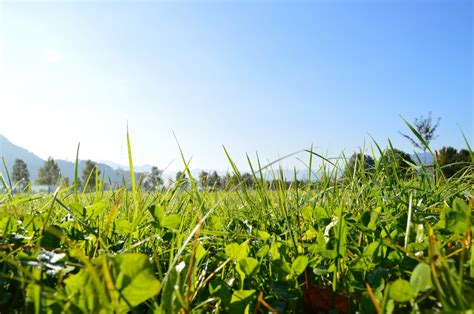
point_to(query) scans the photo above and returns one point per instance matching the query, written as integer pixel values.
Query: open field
(375, 241)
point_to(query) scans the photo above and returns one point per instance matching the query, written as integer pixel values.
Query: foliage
(397, 162)
(359, 163)
(90, 175)
(210, 180)
(426, 129)
(20, 172)
(153, 180)
(452, 161)
(49, 173)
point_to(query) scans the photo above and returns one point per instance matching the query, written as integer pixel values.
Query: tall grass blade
(76, 175)
(132, 179)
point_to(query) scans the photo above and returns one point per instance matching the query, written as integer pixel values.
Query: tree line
(394, 162)
(50, 175)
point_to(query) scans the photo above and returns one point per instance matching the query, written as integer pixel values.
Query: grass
(376, 242)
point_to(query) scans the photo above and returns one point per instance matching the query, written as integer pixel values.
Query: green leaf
(240, 301)
(307, 213)
(263, 235)
(52, 237)
(402, 291)
(157, 213)
(299, 265)
(171, 221)
(135, 282)
(263, 251)
(81, 291)
(236, 251)
(122, 226)
(421, 278)
(248, 265)
(320, 213)
(95, 210)
(274, 252)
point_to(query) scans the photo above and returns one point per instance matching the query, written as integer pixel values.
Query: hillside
(10, 152)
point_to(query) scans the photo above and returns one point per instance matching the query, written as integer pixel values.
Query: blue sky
(266, 76)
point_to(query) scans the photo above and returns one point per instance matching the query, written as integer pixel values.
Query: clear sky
(266, 76)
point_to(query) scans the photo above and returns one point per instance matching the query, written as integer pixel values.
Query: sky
(272, 77)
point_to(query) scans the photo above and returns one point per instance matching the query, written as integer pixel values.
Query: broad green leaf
(263, 251)
(307, 213)
(402, 291)
(237, 251)
(81, 291)
(201, 252)
(122, 226)
(135, 282)
(320, 213)
(299, 265)
(77, 209)
(95, 210)
(248, 265)
(52, 237)
(420, 279)
(274, 252)
(171, 221)
(240, 301)
(263, 235)
(157, 212)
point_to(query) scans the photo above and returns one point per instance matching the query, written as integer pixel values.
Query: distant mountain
(117, 166)
(112, 172)
(10, 152)
(426, 158)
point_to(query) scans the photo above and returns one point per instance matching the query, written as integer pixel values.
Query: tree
(20, 173)
(358, 163)
(182, 178)
(215, 180)
(204, 179)
(453, 162)
(153, 179)
(396, 160)
(209, 180)
(90, 172)
(180, 174)
(247, 179)
(225, 181)
(426, 129)
(49, 173)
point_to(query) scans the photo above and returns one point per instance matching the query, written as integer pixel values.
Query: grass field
(375, 242)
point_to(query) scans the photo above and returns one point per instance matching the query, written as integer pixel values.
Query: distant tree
(20, 173)
(91, 170)
(359, 162)
(426, 129)
(180, 174)
(247, 179)
(184, 181)
(65, 181)
(396, 160)
(215, 180)
(204, 179)
(48, 174)
(225, 181)
(452, 161)
(153, 180)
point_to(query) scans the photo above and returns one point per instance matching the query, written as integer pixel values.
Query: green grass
(380, 242)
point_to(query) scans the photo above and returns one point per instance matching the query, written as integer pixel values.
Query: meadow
(378, 241)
